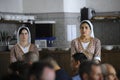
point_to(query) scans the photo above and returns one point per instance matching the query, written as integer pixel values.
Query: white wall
(11, 6)
(47, 6)
(104, 5)
(73, 5)
(42, 6)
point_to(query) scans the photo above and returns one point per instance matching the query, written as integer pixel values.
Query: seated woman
(87, 43)
(23, 45)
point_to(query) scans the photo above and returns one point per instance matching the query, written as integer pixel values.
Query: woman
(87, 43)
(23, 45)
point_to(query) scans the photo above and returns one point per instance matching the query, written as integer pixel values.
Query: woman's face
(24, 35)
(85, 29)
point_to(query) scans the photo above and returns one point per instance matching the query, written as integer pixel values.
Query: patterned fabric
(16, 53)
(93, 50)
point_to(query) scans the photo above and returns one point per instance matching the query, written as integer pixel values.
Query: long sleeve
(97, 54)
(36, 50)
(12, 55)
(73, 50)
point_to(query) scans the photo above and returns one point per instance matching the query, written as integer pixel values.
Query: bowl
(10, 46)
(65, 49)
(108, 47)
(51, 48)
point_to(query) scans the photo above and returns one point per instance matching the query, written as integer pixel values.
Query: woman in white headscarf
(87, 43)
(23, 45)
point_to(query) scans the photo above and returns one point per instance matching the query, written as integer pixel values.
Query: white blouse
(85, 45)
(25, 49)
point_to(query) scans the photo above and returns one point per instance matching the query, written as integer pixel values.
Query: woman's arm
(36, 50)
(12, 55)
(73, 50)
(97, 55)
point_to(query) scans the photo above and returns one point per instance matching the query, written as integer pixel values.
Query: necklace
(24, 45)
(85, 40)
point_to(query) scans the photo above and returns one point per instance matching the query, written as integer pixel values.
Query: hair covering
(90, 25)
(29, 34)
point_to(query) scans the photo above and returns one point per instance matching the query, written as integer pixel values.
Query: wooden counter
(63, 58)
(4, 62)
(112, 57)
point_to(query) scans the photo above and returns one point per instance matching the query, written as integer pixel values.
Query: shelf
(106, 18)
(13, 21)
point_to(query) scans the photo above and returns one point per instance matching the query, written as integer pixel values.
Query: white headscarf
(91, 26)
(29, 34)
